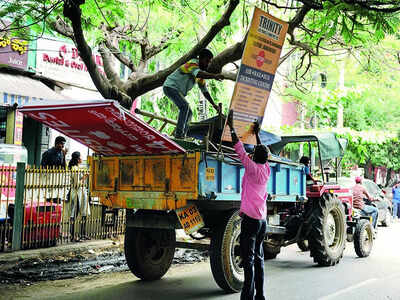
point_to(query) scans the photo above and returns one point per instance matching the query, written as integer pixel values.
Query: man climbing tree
(180, 82)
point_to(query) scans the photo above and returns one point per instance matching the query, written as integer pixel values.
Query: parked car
(41, 219)
(384, 204)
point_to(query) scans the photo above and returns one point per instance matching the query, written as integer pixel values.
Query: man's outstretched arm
(230, 124)
(207, 95)
(256, 130)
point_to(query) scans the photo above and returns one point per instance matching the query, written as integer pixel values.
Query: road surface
(292, 275)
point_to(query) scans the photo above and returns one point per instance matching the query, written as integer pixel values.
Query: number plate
(190, 218)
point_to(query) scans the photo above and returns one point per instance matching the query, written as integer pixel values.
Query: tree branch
(229, 75)
(63, 28)
(73, 12)
(108, 66)
(294, 23)
(164, 43)
(153, 81)
(111, 41)
(125, 60)
(229, 55)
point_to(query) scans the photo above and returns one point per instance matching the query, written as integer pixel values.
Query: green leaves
(378, 152)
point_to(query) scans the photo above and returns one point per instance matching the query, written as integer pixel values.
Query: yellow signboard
(190, 218)
(210, 174)
(256, 74)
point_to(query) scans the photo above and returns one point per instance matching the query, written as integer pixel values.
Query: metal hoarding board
(190, 218)
(102, 125)
(256, 73)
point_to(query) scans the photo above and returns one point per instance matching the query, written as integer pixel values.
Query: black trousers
(251, 245)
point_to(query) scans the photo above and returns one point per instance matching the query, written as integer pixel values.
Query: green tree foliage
(370, 95)
(383, 151)
(153, 37)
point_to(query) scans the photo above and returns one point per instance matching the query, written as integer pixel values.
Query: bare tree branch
(153, 81)
(229, 55)
(63, 28)
(111, 41)
(108, 65)
(294, 23)
(73, 12)
(164, 43)
(125, 60)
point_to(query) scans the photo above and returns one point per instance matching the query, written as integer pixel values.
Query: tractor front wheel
(363, 238)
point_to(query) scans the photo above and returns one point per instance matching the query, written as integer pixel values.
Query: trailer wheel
(225, 259)
(363, 238)
(303, 245)
(149, 252)
(327, 237)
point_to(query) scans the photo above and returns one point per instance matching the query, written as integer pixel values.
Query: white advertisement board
(60, 61)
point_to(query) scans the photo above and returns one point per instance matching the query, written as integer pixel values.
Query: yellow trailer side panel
(162, 182)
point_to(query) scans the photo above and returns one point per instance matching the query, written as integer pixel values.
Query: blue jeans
(251, 246)
(185, 114)
(370, 210)
(396, 209)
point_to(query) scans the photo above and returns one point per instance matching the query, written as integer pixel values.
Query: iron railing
(55, 208)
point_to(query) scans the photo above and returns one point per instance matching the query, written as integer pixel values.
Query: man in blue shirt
(182, 80)
(55, 157)
(396, 200)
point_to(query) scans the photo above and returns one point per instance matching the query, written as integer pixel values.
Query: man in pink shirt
(253, 211)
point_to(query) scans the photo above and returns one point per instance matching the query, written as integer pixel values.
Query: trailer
(167, 184)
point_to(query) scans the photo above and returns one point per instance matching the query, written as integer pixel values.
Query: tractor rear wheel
(327, 238)
(149, 252)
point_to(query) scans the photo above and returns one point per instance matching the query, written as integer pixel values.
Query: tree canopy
(154, 37)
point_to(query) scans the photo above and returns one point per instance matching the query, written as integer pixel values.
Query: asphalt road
(292, 275)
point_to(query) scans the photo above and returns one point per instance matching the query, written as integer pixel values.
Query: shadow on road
(192, 287)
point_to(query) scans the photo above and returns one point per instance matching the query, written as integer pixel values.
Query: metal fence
(45, 207)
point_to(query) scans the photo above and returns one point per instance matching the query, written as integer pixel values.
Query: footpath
(61, 262)
(74, 260)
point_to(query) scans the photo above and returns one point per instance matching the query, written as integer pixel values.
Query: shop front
(17, 87)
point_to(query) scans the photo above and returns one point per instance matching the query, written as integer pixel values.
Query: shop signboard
(19, 120)
(102, 125)
(60, 61)
(13, 52)
(256, 73)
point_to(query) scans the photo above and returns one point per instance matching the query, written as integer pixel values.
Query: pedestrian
(78, 197)
(253, 210)
(360, 194)
(305, 160)
(396, 200)
(55, 156)
(182, 80)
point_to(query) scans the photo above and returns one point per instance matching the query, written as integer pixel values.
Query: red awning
(102, 125)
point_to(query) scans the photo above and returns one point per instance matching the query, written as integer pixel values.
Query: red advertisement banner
(101, 125)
